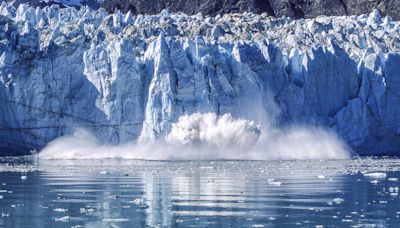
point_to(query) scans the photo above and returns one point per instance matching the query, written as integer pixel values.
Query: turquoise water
(123, 193)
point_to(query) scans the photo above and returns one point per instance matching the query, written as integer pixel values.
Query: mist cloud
(209, 137)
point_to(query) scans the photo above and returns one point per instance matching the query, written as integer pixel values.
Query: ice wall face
(130, 77)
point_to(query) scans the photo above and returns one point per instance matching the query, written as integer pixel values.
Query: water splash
(209, 137)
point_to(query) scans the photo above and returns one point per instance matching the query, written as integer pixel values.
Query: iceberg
(130, 77)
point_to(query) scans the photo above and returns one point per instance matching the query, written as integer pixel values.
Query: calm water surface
(120, 193)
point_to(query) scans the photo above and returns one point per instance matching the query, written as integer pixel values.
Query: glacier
(129, 77)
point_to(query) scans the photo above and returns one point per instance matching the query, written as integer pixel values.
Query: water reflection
(198, 194)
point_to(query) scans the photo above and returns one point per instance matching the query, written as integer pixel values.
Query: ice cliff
(128, 77)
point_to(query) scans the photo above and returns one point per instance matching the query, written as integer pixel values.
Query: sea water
(133, 193)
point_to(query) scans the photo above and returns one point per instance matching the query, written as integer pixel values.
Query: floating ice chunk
(275, 183)
(338, 200)
(84, 210)
(393, 179)
(347, 220)
(374, 182)
(62, 219)
(77, 226)
(139, 202)
(377, 175)
(24, 177)
(103, 173)
(1, 197)
(321, 177)
(62, 210)
(115, 220)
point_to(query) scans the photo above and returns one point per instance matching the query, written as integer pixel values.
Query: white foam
(219, 132)
(209, 137)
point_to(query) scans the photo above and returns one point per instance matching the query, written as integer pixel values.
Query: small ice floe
(393, 179)
(394, 191)
(139, 202)
(88, 210)
(347, 220)
(377, 175)
(258, 225)
(321, 177)
(5, 215)
(1, 197)
(272, 182)
(62, 219)
(115, 220)
(338, 200)
(24, 177)
(61, 210)
(374, 182)
(275, 183)
(103, 173)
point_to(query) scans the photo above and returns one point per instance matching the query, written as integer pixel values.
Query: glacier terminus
(129, 77)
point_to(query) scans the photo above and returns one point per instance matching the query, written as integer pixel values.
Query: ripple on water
(103, 193)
